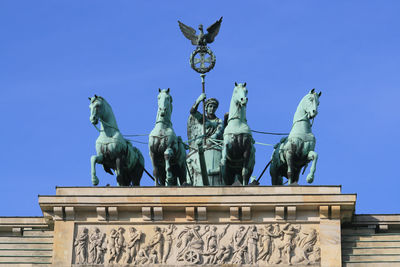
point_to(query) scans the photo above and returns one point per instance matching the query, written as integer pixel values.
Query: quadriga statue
(238, 152)
(294, 152)
(167, 151)
(113, 151)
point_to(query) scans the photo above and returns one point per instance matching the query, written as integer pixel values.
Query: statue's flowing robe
(212, 151)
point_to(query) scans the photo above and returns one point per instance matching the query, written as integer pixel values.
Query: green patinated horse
(294, 152)
(167, 152)
(238, 152)
(113, 151)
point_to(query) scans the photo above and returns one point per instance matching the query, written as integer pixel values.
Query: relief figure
(168, 239)
(252, 240)
(266, 243)
(96, 250)
(133, 244)
(156, 245)
(81, 243)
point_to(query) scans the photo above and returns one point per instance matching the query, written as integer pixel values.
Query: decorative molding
(324, 212)
(101, 213)
(291, 213)
(234, 213)
(279, 213)
(58, 214)
(158, 213)
(246, 213)
(201, 213)
(146, 213)
(69, 213)
(190, 213)
(112, 213)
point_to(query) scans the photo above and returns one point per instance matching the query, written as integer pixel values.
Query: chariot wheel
(192, 256)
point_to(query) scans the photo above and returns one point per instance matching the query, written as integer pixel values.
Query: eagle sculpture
(201, 39)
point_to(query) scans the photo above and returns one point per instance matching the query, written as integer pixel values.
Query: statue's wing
(188, 32)
(212, 31)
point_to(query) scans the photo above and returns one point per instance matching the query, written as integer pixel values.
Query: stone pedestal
(169, 226)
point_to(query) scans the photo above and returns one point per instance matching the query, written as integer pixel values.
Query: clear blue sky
(54, 54)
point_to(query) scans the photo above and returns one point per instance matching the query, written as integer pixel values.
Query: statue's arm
(193, 110)
(219, 131)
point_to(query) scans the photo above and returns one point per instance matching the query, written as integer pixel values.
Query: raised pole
(203, 76)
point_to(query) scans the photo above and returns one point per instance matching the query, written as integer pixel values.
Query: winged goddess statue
(201, 39)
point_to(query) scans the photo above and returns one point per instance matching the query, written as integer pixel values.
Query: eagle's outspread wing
(212, 31)
(189, 32)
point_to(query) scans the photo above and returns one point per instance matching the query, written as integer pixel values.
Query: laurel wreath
(205, 50)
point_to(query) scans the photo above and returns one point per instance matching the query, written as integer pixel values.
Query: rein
(105, 123)
(304, 119)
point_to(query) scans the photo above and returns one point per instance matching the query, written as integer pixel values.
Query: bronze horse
(294, 152)
(238, 152)
(167, 151)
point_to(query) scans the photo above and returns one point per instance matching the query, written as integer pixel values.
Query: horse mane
(105, 102)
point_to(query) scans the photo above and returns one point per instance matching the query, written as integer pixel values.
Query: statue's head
(211, 106)
(240, 94)
(201, 27)
(132, 229)
(95, 109)
(164, 102)
(310, 103)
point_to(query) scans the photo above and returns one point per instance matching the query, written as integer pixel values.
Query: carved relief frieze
(201, 244)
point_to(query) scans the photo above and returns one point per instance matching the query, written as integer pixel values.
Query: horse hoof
(310, 179)
(95, 180)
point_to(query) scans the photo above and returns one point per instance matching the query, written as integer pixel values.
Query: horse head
(310, 104)
(164, 104)
(240, 94)
(96, 109)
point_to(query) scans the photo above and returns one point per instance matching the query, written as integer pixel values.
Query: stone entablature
(214, 204)
(283, 225)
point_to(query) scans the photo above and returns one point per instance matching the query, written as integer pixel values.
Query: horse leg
(93, 160)
(118, 173)
(312, 155)
(223, 162)
(138, 170)
(295, 175)
(245, 170)
(169, 176)
(276, 179)
(289, 160)
(155, 172)
(182, 165)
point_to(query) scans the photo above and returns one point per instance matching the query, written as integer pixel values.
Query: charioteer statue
(214, 135)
